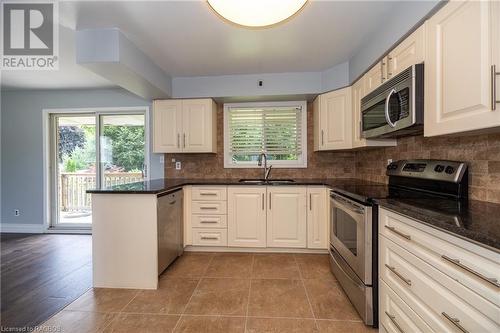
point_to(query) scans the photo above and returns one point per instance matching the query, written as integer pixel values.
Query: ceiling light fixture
(256, 13)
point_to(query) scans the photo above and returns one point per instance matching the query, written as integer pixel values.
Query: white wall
(22, 148)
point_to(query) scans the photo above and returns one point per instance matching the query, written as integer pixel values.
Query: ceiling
(186, 38)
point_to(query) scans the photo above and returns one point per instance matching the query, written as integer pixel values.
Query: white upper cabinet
(167, 127)
(188, 126)
(333, 120)
(374, 77)
(409, 52)
(286, 217)
(246, 214)
(462, 48)
(317, 217)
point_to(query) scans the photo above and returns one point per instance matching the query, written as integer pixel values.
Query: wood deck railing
(73, 187)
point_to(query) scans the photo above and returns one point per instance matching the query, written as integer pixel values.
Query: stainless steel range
(354, 216)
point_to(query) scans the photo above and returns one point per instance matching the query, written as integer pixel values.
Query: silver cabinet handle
(208, 208)
(389, 74)
(269, 200)
(208, 193)
(382, 78)
(184, 140)
(207, 221)
(263, 200)
(178, 140)
(455, 322)
(310, 201)
(457, 262)
(393, 269)
(393, 319)
(322, 137)
(494, 75)
(209, 238)
(399, 233)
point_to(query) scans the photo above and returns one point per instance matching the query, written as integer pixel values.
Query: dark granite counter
(158, 186)
(476, 221)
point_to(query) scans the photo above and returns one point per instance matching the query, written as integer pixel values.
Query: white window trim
(302, 163)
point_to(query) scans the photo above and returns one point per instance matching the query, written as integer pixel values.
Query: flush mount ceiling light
(256, 13)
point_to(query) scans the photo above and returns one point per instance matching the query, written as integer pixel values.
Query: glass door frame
(51, 165)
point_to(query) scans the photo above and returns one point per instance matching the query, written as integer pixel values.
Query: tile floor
(222, 292)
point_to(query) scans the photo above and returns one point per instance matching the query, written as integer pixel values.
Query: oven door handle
(387, 118)
(339, 201)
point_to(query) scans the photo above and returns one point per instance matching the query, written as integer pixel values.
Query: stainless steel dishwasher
(170, 228)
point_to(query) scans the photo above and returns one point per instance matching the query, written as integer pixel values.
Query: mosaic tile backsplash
(482, 152)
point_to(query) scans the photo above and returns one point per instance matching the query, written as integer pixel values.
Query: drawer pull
(393, 269)
(393, 319)
(209, 238)
(207, 221)
(408, 237)
(208, 193)
(208, 208)
(457, 262)
(455, 321)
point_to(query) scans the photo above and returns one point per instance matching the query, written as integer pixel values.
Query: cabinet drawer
(435, 297)
(209, 237)
(209, 207)
(396, 316)
(442, 251)
(209, 193)
(209, 221)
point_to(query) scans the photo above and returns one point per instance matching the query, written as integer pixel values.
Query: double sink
(266, 181)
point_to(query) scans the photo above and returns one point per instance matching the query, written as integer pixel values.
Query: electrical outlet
(17, 212)
(178, 165)
(389, 161)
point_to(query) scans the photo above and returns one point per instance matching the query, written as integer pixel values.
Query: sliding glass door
(92, 150)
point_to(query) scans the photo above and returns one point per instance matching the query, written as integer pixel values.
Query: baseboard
(22, 228)
(192, 248)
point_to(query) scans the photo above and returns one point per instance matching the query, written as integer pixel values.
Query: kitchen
(373, 205)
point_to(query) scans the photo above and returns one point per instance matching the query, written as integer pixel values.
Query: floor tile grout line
(307, 294)
(249, 291)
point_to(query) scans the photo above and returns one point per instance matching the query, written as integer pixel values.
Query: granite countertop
(475, 221)
(158, 186)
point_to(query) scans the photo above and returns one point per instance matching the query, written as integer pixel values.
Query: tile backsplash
(481, 152)
(319, 165)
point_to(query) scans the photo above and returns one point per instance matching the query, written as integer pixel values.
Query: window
(278, 129)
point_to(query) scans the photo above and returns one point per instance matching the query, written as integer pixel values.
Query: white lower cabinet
(210, 237)
(286, 217)
(438, 293)
(246, 210)
(317, 217)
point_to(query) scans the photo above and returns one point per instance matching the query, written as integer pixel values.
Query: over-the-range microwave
(396, 108)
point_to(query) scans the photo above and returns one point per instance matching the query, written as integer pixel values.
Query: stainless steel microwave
(396, 108)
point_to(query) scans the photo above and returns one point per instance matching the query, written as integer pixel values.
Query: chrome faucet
(267, 170)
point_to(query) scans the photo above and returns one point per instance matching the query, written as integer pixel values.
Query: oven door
(351, 235)
(390, 110)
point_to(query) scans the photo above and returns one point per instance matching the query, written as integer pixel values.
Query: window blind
(273, 130)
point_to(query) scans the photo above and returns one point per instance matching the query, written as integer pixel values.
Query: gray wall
(22, 147)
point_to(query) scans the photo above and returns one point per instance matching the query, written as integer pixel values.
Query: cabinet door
(317, 218)
(286, 217)
(462, 45)
(167, 126)
(335, 118)
(409, 52)
(198, 126)
(246, 213)
(374, 77)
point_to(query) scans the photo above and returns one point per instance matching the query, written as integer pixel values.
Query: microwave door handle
(387, 118)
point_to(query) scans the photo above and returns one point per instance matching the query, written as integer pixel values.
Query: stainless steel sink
(269, 181)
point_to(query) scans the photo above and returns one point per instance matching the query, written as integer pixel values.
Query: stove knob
(449, 170)
(439, 168)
